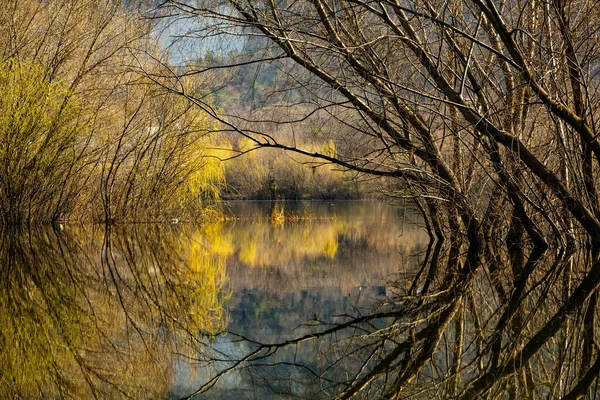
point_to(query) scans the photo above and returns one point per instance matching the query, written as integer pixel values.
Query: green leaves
(38, 144)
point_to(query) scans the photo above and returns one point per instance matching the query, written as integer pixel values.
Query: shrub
(42, 152)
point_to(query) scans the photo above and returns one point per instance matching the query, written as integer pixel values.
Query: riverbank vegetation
(482, 114)
(91, 129)
(84, 135)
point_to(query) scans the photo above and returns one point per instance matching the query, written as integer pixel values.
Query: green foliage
(40, 145)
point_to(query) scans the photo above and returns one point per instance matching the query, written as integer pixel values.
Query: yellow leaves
(163, 162)
(77, 323)
(216, 240)
(330, 247)
(249, 250)
(206, 276)
(207, 176)
(245, 144)
(264, 244)
(277, 213)
(128, 149)
(32, 105)
(206, 172)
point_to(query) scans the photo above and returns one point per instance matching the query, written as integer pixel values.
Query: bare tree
(485, 113)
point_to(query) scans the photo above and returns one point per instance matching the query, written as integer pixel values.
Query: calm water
(130, 311)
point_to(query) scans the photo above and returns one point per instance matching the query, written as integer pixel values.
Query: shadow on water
(355, 305)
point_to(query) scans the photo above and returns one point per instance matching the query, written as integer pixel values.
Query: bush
(271, 174)
(41, 149)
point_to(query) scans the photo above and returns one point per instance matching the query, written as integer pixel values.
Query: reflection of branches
(485, 114)
(70, 311)
(451, 334)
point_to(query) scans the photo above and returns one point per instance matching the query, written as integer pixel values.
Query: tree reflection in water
(469, 323)
(101, 314)
(123, 313)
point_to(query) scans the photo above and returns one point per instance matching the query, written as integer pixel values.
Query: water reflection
(345, 302)
(464, 322)
(287, 279)
(162, 311)
(102, 313)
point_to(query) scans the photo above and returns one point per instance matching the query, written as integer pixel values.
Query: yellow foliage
(39, 143)
(277, 213)
(216, 241)
(113, 324)
(330, 247)
(86, 136)
(207, 173)
(328, 148)
(267, 244)
(206, 277)
(248, 251)
(207, 251)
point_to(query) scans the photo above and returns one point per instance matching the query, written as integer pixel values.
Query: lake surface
(157, 311)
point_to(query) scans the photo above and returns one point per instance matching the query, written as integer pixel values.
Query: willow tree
(39, 131)
(82, 135)
(485, 113)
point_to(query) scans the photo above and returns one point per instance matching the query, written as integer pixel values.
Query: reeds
(278, 213)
